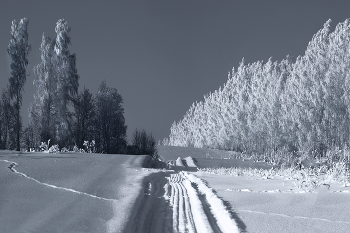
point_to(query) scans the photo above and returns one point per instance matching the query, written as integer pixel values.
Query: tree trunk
(18, 146)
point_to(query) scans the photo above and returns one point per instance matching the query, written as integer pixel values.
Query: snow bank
(221, 214)
(179, 162)
(190, 162)
(198, 213)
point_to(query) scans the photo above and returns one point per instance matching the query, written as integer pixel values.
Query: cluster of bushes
(334, 168)
(142, 144)
(45, 147)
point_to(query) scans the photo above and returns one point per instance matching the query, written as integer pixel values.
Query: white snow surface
(217, 207)
(68, 192)
(190, 163)
(104, 193)
(113, 193)
(276, 204)
(179, 162)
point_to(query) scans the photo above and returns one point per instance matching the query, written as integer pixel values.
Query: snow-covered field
(275, 204)
(42, 192)
(116, 193)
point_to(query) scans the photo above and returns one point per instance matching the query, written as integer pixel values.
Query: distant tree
(18, 49)
(136, 142)
(84, 112)
(151, 146)
(110, 121)
(143, 144)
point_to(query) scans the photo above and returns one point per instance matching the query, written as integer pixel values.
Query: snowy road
(180, 202)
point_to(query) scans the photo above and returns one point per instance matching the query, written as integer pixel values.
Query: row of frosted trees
(58, 113)
(57, 85)
(300, 104)
(62, 115)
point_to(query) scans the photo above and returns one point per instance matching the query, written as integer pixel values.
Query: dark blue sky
(164, 55)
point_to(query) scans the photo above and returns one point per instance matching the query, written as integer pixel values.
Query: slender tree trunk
(5, 134)
(1, 133)
(18, 147)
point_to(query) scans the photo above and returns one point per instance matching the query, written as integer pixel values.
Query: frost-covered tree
(57, 86)
(42, 111)
(67, 79)
(84, 112)
(18, 50)
(110, 121)
(7, 122)
(297, 104)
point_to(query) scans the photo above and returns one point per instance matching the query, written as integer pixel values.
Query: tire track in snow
(189, 218)
(211, 219)
(180, 206)
(218, 210)
(152, 214)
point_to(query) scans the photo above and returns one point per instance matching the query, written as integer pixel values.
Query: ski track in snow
(183, 204)
(14, 164)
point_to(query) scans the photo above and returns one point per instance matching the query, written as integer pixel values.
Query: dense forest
(294, 105)
(60, 115)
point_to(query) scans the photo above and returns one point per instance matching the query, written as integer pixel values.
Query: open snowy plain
(269, 204)
(42, 192)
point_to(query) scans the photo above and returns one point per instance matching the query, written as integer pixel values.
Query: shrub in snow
(165, 142)
(30, 150)
(64, 149)
(77, 150)
(89, 146)
(54, 149)
(44, 146)
(305, 177)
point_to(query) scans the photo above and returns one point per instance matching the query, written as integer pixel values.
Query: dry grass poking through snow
(308, 174)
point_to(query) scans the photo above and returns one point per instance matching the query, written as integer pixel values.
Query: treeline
(142, 144)
(60, 113)
(295, 105)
